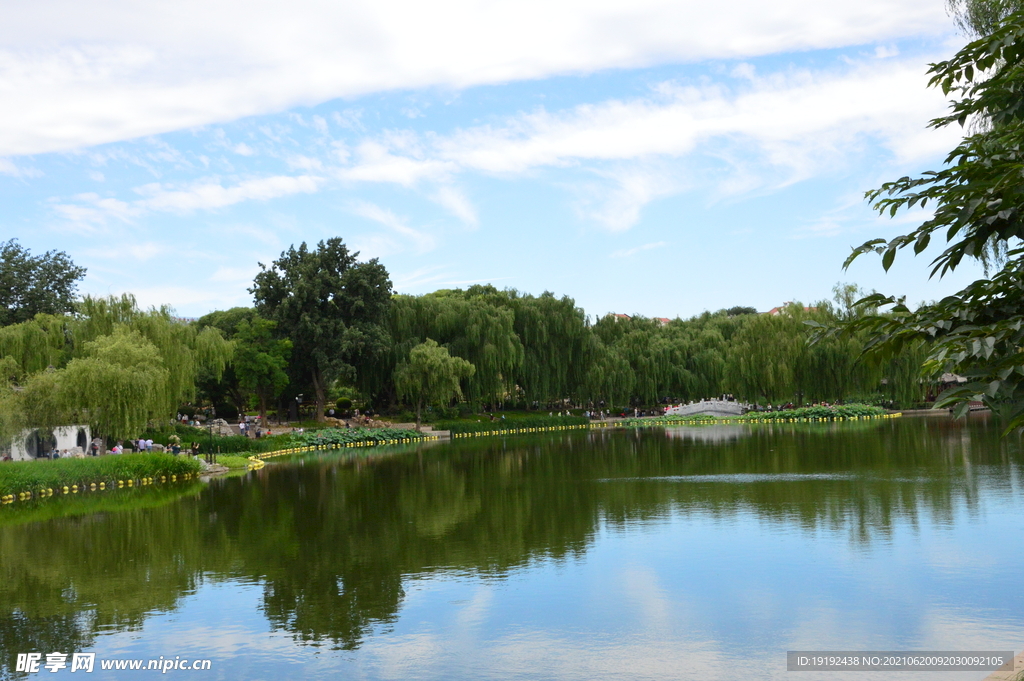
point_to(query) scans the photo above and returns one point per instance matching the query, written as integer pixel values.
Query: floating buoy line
(45, 492)
(258, 461)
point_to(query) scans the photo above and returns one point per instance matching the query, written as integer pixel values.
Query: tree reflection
(335, 540)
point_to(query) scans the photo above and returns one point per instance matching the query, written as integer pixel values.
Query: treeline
(543, 352)
(327, 329)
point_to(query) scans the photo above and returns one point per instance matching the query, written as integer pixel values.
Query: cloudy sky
(659, 157)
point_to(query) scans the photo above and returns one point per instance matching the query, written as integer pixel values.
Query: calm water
(686, 553)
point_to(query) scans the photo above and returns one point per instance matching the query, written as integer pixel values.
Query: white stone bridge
(709, 407)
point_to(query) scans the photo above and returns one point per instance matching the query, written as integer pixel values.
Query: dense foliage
(31, 285)
(110, 365)
(332, 308)
(344, 436)
(514, 423)
(977, 205)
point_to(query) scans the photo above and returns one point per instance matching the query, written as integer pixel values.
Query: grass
(32, 476)
(233, 461)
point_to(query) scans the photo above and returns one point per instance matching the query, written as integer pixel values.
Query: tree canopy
(431, 376)
(977, 203)
(31, 285)
(260, 360)
(333, 308)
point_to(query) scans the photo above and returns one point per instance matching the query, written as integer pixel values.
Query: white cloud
(422, 241)
(90, 209)
(637, 249)
(72, 76)
(768, 132)
(209, 195)
(8, 167)
(759, 132)
(456, 203)
(135, 252)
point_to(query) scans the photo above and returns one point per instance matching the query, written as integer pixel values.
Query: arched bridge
(709, 407)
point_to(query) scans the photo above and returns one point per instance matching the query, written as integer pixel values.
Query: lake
(665, 553)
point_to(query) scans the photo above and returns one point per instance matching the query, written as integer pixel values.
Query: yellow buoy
(103, 485)
(131, 483)
(174, 478)
(65, 490)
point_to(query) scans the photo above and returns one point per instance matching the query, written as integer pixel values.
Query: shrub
(518, 422)
(344, 436)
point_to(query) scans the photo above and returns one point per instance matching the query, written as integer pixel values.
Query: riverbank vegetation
(17, 477)
(327, 331)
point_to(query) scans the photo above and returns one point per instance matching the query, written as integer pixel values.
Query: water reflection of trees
(334, 542)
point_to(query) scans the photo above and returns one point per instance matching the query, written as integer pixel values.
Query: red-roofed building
(779, 310)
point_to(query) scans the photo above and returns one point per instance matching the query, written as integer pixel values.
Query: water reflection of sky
(678, 597)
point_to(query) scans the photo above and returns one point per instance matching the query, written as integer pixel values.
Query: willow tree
(38, 343)
(10, 409)
(763, 355)
(116, 387)
(56, 340)
(468, 327)
(553, 333)
(609, 377)
(642, 342)
(185, 350)
(431, 376)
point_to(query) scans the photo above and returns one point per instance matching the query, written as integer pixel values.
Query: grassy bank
(233, 460)
(17, 477)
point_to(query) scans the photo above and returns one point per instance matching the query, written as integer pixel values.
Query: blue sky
(656, 157)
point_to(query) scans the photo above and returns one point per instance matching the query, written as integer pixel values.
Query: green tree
(764, 355)
(977, 203)
(117, 387)
(332, 307)
(431, 376)
(53, 341)
(470, 327)
(223, 389)
(260, 360)
(31, 285)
